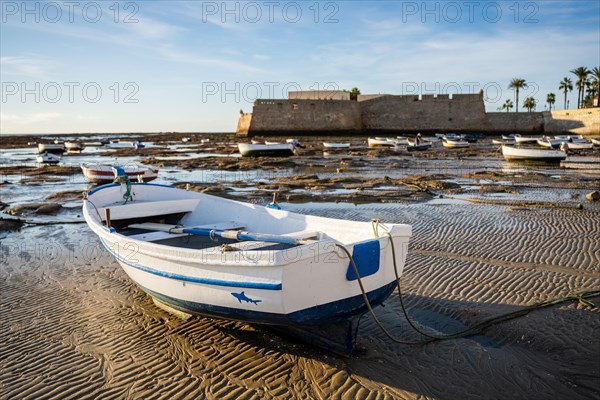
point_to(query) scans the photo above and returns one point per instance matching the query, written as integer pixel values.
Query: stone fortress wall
(332, 112)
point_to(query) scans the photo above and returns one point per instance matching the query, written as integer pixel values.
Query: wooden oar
(225, 234)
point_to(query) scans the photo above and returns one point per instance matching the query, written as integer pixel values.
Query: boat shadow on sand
(492, 353)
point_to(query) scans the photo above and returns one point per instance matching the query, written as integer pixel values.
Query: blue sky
(150, 66)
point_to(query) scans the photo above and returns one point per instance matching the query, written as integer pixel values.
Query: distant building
(333, 113)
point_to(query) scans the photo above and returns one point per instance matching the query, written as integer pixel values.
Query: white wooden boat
(451, 136)
(528, 154)
(576, 145)
(331, 145)
(413, 146)
(47, 158)
(266, 150)
(117, 144)
(550, 143)
(56, 148)
(526, 139)
(204, 255)
(577, 139)
(74, 147)
(511, 136)
(98, 173)
(454, 144)
(381, 142)
(270, 142)
(596, 141)
(509, 142)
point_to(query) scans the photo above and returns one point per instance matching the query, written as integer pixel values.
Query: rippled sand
(74, 325)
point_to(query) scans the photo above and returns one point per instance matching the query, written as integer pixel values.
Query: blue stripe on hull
(179, 277)
(336, 311)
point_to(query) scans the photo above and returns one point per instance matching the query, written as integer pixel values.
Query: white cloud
(29, 66)
(29, 118)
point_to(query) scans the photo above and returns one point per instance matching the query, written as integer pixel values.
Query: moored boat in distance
(381, 142)
(56, 148)
(550, 143)
(503, 141)
(511, 153)
(239, 261)
(576, 145)
(596, 141)
(511, 136)
(526, 139)
(103, 173)
(413, 146)
(47, 158)
(454, 143)
(331, 145)
(266, 150)
(74, 147)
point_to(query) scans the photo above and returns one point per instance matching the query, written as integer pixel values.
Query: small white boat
(185, 139)
(381, 142)
(528, 154)
(239, 261)
(577, 139)
(47, 158)
(117, 144)
(270, 142)
(454, 144)
(576, 145)
(511, 136)
(596, 141)
(526, 139)
(550, 143)
(51, 148)
(413, 146)
(99, 173)
(562, 138)
(509, 142)
(266, 150)
(331, 145)
(451, 136)
(74, 147)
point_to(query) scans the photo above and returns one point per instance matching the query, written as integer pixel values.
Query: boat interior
(134, 221)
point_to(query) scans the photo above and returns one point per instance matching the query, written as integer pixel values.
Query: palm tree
(529, 103)
(566, 85)
(516, 84)
(581, 73)
(595, 83)
(550, 99)
(354, 93)
(508, 104)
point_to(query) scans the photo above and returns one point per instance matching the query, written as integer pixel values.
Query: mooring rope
(478, 327)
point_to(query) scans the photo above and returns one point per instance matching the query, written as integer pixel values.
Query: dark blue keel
(331, 326)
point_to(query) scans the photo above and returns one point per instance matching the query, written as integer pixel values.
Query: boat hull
(538, 155)
(74, 147)
(266, 150)
(451, 144)
(418, 147)
(333, 146)
(103, 174)
(311, 284)
(51, 148)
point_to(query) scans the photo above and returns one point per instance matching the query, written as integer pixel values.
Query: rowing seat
(153, 236)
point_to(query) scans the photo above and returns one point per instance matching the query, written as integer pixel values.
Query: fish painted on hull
(242, 297)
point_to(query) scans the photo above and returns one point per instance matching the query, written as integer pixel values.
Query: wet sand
(74, 325)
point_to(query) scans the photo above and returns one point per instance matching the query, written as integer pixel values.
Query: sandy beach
(489, 237)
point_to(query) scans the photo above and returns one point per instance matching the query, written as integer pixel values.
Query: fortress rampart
(309, 113)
